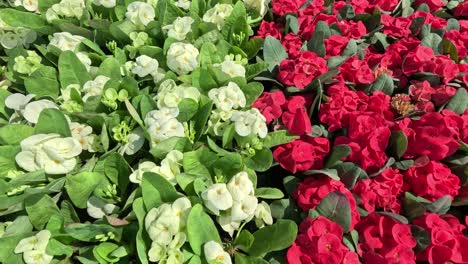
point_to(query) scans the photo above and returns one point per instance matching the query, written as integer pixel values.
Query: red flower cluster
(320, 241)
(311, 191)
(448, 243)
(383, 239)
(393, 83)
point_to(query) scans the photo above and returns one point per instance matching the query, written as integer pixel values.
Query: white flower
(145, 66)
(184, 4)
(136, 140)
(105, 3)
(162, 224)
(84, 58)
(18, 101)
(182, 58)
(179, 28)
(219, 121)
(162, 125)
(263, 215)
(250, 122)
(30, 5)
(33, 110)
(178, 241)
(37, 242)
(228, 97)
(146, 166)
(97, 208)
(233, 69)
(240, 186)
(161, 115)
(94, 87)
(245, 209)
(81, 132)
(66, 41)
(66, 8)
(140, 13)
(9, 40)
(214, 252)
(217, 198)
(37, 257)
(181, 208)
(170, 167)
(218, 14)
(259, 5)
(169, 94)
(175, 257)
(227, 224)
(49, 152)
(157, 252)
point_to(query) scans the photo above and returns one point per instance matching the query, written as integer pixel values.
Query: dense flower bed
(228, 131)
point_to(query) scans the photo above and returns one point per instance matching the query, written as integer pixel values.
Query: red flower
(421, 91)
(282, 7)
(320, 241)
(432, 181)
(352, 29)
(302, 154)
(434, 5)
(335, 45)
(293, 44)
(461, 9)
(356, 71)
(270, 105)
(269, 29)
(415, 60)
(396, 26)
(299, 72)
(384, 240)
(312, 190)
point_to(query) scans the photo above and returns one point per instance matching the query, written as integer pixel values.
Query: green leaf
(216, 148)
(103, 251)
(157, 190)
(338, 153)
(201, 118)
(200, 229)
(20, 225)
(87, 232)
(423, 239)
(459, 101)
(229, 164)
(117, 170)
(14, 133)
(384, 83)
(187, 109)
(261, 161)
(40, 208)
(244, 240)
(56, 248)
(173, 143)
(16, 18)
(269, 193)
(52, 121)
(228, 135)
(432, 41)
(440, 206)
(335, 206)
(277, 138)
(80, 187)
(273, 238)
(235, 24)
(292, 24)
(346, 12)
(141, 247)
(110, 67)
(332, 173)
(195, 162)
(273, 52)
(243, 259)
(397, 217)
(167, 12)
(43, 82)
(398, 144)
(351, 48)
(349, 173)
(71, 70)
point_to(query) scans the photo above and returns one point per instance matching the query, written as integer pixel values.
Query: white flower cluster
(250, 122)
(218, 14)
(169, 169)
(163, 124)
(140, 13)
(182, 58)
(219, 121)
(105, 3)
(84, 135)
(165, 226)
(12, 37)
(94, 87)
(214, 253)
(232, 65)
(170, 94)
(66, 8)
(29, 5)
(29, 64)
(145, 65)
(49, 152)
(65, 41)
(184, 4)
(228, 97)
(179, 28)
(23, 107)
(34, 248)
(233, 202)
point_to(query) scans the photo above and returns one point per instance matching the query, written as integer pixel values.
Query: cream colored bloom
(250, 122)
(217, 198)
(33, 110)
(37, 242)
(182, 58)
(218, 14)
(228, 97)
(179, 28)
(146, 166)
(140, 13)
(65, 41)
(240, 186)
(214, 253)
